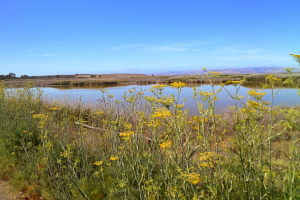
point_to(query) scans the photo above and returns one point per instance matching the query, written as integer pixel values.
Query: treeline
(13, 76)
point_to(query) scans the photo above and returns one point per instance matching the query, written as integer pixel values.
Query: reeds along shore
(250, 80)
(148, 147)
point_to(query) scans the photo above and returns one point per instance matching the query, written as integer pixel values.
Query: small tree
(24, 76)
(11, 75)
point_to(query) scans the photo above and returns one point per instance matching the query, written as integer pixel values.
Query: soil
(7, 194)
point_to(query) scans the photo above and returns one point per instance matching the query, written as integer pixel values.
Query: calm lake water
(90, 96)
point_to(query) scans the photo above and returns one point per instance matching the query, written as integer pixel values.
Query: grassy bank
(252, 80)
(148, 147)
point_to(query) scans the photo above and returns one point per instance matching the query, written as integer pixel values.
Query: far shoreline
(111, 80)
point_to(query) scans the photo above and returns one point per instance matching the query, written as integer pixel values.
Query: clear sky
(144, 36)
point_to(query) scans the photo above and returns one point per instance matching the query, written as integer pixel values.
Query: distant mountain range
(248, 70)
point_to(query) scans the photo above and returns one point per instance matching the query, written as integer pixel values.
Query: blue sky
(144, 36)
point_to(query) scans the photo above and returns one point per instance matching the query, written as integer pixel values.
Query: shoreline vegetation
(107, 80)
(63, 152)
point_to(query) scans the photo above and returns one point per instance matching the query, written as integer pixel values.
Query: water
(90, 96)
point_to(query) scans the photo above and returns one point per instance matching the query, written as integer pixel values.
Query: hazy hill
(248, 70)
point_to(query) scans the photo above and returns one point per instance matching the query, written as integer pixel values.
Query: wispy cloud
(250, 54)
(33, 49)
(167, 48)
(238, 50)
(49, 55)
(176, 47)
(39, 51)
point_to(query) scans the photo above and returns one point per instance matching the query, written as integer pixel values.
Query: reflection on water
(89, 96)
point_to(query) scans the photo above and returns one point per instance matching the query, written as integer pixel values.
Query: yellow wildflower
(54, 108)
(200, 119)
(235, 82)
(150, 98)
(126, 135)
(166, 145)
(247, 110)
(205, 164)
(177, 84)
(100, 112)
(193, 178)
(98, 163)
(206, 94)
(153, 123)
(272, 78)
(161, 86)
(179, 106)
(65, 154)
(39, 116)
(208, 159)
(161, 113)
(167, 101)
(254, 93)
(254, 104)
(113, 158)
(127, 125)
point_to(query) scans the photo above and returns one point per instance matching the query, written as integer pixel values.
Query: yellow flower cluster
(65, 154)
(235, 82)
(114, 158)
(98, 163)
(126, 135)
(161, 86)
(54, 108)
(166, 145)
(150, 98)
(153, 123)
(273, 78)
(161, 113)
(208, 159)
(254, 93)
(199, 119)
(42, 119)
(254, 104)
(193, 178)
(179, 106)
(100, 112)
(127, 125)
(39, 116)
(248, 110)
(166, 100)
(178, 84)
(206, 94)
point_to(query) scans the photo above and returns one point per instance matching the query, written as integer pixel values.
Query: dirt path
(5, 192)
